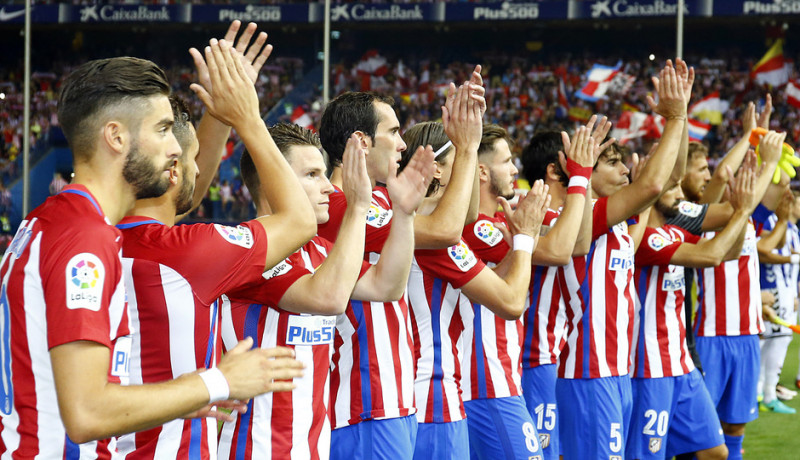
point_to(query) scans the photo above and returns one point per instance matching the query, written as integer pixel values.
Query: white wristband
(578, 181)
(523, 243)
(794, 258)
(216, 384)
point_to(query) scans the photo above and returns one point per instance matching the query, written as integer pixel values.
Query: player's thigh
(501, 428)
(652, 409)
(539, 391)
(694, 425)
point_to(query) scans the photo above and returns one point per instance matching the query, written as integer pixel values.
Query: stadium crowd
(389, 302)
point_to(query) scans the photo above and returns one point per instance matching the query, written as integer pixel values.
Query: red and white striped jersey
(598, 293)
(175, 276)
(729, 295)
(372, 368)
(439, 315)
(61, 283)
(290, 425)
(491, 360)
(659, 328)
(545, 319)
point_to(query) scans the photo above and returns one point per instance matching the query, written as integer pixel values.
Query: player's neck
(656, 219)
(114, 196)
(161, 209)
(488, 203)
(558, 194)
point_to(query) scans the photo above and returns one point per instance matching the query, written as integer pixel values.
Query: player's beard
(183, 202)
(668, 211)
(146, 179)
(496, 190)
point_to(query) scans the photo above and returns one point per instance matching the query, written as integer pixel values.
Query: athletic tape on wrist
(795, 258)
(216, 384)
(577, 184)
(523, 243)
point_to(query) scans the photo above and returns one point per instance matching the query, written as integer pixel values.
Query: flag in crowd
(772, 69)
(598, 81)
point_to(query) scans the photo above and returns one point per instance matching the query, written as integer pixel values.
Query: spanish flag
(772, 69)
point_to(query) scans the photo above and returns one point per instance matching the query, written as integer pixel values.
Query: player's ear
(552, 172)
(116, 137)
(173, 172)
(364, 141)
(483, 173)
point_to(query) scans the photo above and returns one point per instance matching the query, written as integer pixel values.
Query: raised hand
(477, 91)
(580, 149)
(743, 193)
(252, 372)
(253, 55)
(462, 118)
(763, 118)
(231, 96)
(407, 190)
(771, 146)
(749, 120)
(531, 208)
(671, 100)
(356, 185)
(686, 76)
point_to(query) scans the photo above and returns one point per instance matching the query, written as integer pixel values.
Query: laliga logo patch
(689, 209)
(487, 232)
(377, 216)
(654, 445)
(85, 275)
(462, 256)
(657, 242)
(278, 270)
(240, 236)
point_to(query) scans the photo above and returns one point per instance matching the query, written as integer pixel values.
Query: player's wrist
(794, 259)
(579, 177)
(216, 384)
(523, 242)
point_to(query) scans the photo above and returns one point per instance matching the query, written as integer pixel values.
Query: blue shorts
(442, 441)
(539, 391)
(500, 428)
(671, 416)
(594, 415)
(387, 439)
(731, 366)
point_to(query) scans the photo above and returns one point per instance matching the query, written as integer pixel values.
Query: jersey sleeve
(457, 264)
(600, 218)
(274, 283)
(81, 277)
(763, 219)
(337, 205)
(486, 240)
(690, 217)
(656, 249)
(379, 220)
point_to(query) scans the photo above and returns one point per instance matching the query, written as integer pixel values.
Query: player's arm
(637, 230)
(505, 296)
(717, 216)
(727, 244)
(475, 199)
(326, 291)
(462, 119)
(92, 408)
(292, 222)
(558, 245)
(647, 187)
(733, 159)
(387, 280)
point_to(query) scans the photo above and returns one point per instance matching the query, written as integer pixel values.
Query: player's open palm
(253, 372)
(408, 188)
(770, 146)
(743, 194)
(671, 101)
(531, 208)
(355, 179)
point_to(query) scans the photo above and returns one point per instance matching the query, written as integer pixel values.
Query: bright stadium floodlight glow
(2, 96)
(652, 57)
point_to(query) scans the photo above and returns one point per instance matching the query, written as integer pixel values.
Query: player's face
(386, 146)
(696, 178)
(152, 151)
(188, 176)
(668, 202)
(610, 175)
(502, 171)
(309, 167)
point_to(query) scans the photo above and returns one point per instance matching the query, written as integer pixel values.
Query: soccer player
(568, 221)
(672, 410)
(297, 302)
(442, 286)
(728, 319)
(777, 265)
(372, 370)
(593, 389)
(492, 384)
(62, 285)
(176, 273)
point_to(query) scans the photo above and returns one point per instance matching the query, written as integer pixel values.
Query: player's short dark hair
(540, 152)
(345, 114)
(94, 88)
(183, 122)
(286, 136)
(421, 135)
(491, 134)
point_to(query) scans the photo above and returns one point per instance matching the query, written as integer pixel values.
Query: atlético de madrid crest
(654, 445)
